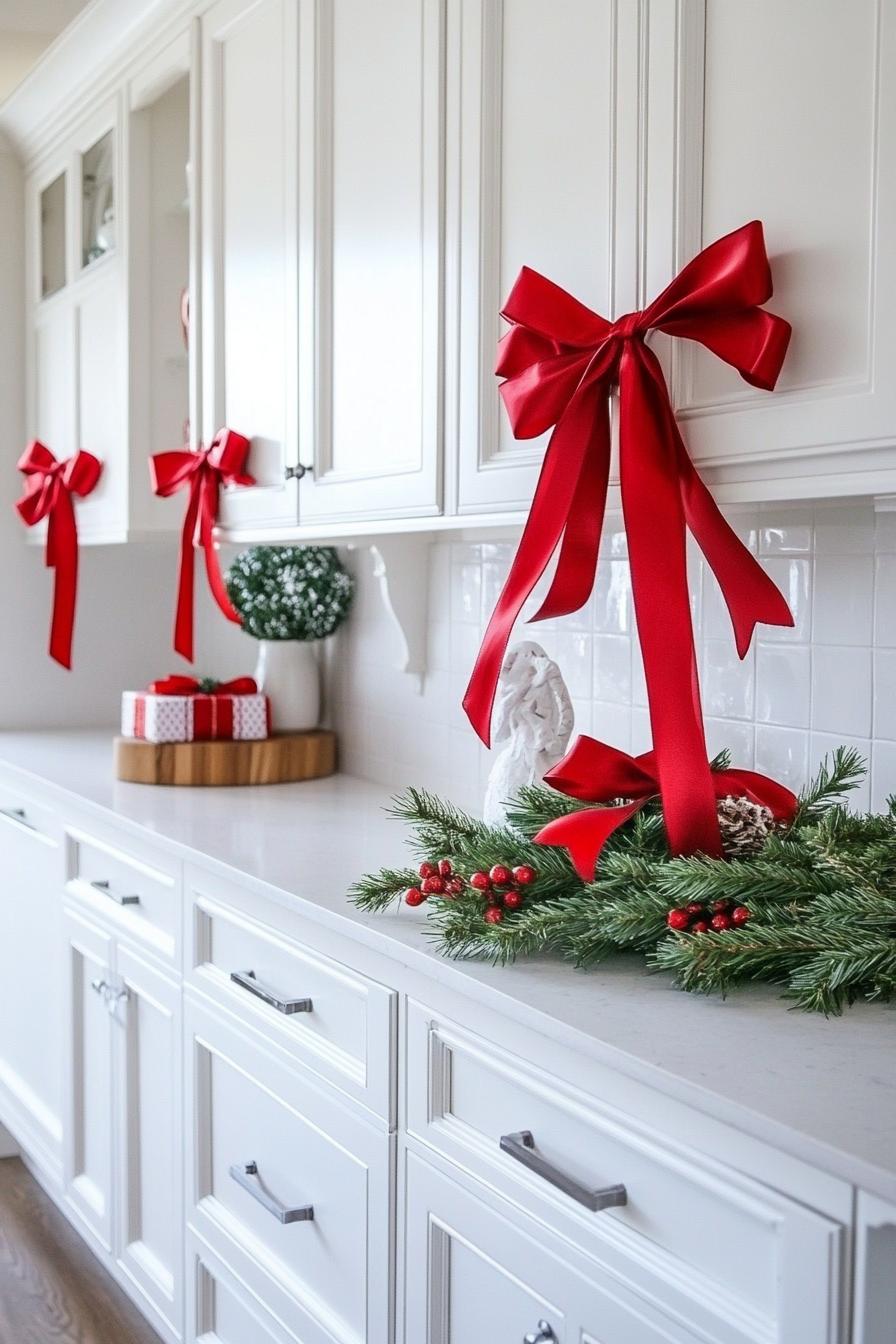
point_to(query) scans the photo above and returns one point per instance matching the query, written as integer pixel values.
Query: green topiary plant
(290, 592)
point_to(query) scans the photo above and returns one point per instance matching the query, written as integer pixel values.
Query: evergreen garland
(290, 592)
(821, 895)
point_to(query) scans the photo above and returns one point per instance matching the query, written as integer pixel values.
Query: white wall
(18, 53)
(126, 593)
(799, 692)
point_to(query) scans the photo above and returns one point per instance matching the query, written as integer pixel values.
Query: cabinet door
(497, 1277)
(534, 183)
(100, 373)
(249, 289)
(764, 138)
(30, 983)
(372, 365)
(87, 1126)
(147, 1045)
(51, 416)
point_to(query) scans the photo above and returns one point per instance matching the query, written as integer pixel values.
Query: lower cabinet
(31, 1045)
(475, 1274)
(123, 1170)
(289, 1185)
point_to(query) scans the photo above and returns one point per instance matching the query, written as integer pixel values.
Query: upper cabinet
(314, 252)
(250, 299)
(108, 272)
(792, 121)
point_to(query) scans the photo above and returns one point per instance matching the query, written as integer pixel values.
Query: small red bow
(561, 362)
(49, 486)
(596, 773)
(203, 472)
(178, 685)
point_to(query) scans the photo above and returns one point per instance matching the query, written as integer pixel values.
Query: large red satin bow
(49, 486)
(179, 685)
(561, 362)
(203, 472)
(596, 773)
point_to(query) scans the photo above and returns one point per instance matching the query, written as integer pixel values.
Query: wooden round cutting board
(280, 759)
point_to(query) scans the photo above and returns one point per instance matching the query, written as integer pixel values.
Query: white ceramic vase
(287, 672)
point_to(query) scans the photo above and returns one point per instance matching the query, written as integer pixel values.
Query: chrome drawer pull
(243, 1170)
(543, 1335)
(18, 815)
(247, 980)
(118, 897)
(522, 1148)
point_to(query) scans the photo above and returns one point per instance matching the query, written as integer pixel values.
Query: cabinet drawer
(23, 819)
(133, 885)
(478, 1273)
(252, 957)
(223, 1310)
(760, 1266)
(288, 1185)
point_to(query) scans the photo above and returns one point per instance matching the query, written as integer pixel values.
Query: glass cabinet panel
(52, 237)
(97, 200)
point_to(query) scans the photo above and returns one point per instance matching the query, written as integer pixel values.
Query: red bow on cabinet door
(49, 487)
(560, 362)
(596, 773)
(202, 473)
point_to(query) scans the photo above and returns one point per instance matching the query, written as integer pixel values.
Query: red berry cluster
(697, 918)
(501, 887)
(437, 879)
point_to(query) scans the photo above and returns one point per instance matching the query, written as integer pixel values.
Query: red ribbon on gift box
(596, 773)
(49, 487)
(561, 362)
(180, 685)
(203, 473)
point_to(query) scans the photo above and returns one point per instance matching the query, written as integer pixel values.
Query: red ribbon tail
(183, 615)
(550, 507)
(207, 516)
(577, 563)
(780, 801)
(62, 558)
(655, 524)
(585, 833)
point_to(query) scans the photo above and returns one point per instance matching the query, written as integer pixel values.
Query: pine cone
(745, 826)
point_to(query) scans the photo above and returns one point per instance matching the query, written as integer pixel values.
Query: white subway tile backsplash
(841, 690)
(843, 599)
(830, 679)
(783, 683)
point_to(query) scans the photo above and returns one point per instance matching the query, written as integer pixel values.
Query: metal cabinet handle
(119, 897)
(247, 980)
(18, 815)
(543, 1335)
(242, 1171)
(111, 996)
(522, 1148)
(295, 473)
(99, 985)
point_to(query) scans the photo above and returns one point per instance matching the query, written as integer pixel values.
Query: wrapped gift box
(195, 716)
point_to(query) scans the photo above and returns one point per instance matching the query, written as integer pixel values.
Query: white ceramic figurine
(532, 725)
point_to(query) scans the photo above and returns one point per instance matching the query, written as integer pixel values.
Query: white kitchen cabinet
(373, 358)
(147, 1042)
(793, 122)
(250, 60)
(534, 182)
(31, 1038)
(123, 1166)
(88, 1112)
(474, 1271)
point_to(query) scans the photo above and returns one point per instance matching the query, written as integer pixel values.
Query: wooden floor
(52, 1289)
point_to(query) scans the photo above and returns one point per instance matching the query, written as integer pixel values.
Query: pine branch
(844, 773)
(379, 890)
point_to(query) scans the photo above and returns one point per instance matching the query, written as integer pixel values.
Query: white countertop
(823, 1090)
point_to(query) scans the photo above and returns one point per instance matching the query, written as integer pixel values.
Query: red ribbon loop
(49, 486)
(596, 773)
(560, 362)
(180, 685)
(203, 473)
